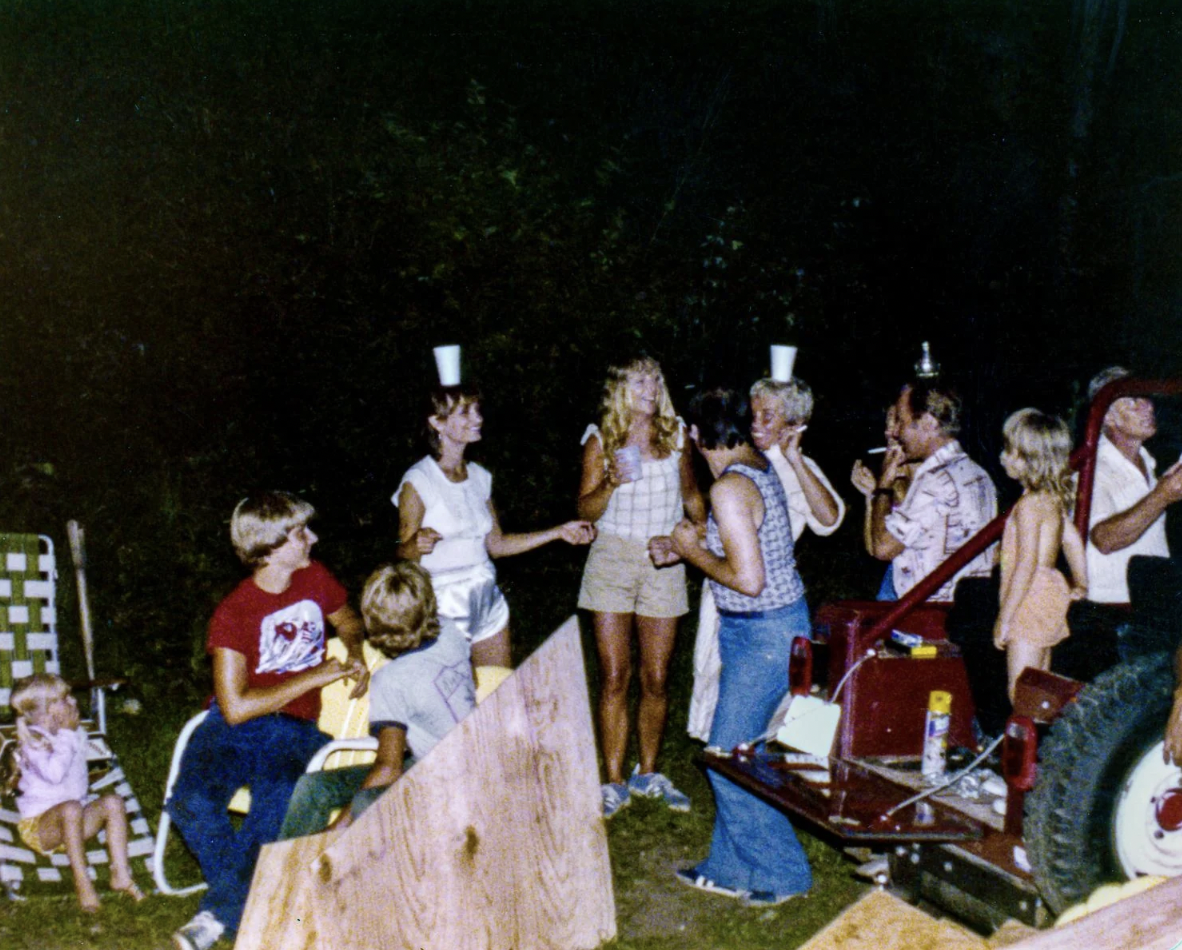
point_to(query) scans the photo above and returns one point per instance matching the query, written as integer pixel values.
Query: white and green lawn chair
(29, 644)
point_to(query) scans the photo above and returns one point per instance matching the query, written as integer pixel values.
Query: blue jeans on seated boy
(268, 755)
(754, 846)
(318, 794)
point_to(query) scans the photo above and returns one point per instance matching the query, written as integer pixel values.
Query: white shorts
(470, 597)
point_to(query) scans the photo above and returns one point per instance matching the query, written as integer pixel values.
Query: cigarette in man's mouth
(878, 451)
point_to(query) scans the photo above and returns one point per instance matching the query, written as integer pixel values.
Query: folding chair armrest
(360, 744)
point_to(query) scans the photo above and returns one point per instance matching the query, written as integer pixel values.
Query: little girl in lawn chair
(48, 768)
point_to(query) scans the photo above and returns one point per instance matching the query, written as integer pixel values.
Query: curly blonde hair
(30, 699)
(617, 407)
(1041, 444)
(399, 608)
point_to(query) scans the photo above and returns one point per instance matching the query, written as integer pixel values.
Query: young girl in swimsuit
(1034, 595)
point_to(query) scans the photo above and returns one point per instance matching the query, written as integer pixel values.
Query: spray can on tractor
(1087, 797)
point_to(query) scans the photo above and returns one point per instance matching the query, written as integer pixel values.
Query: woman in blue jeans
(748, 559)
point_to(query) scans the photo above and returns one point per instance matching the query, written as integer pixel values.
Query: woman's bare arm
(413, 539)
(738, 511)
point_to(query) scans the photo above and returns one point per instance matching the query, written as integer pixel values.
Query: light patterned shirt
(1118, 487)
(649, 507)
(951, 498)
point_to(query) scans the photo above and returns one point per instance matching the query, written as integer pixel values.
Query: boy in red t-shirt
(267, 641)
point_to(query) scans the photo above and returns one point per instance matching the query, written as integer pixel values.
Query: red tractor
(1088, 796)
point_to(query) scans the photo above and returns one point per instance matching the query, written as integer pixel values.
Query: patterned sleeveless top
(649, 507)
(782, 584)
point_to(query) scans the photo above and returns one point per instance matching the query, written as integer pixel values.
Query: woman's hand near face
(790, 445)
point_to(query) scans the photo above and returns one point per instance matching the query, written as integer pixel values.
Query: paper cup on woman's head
(783, 358)
(447, 362)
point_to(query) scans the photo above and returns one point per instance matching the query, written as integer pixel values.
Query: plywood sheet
(494, 841)
(1151, 920)
(881, 921)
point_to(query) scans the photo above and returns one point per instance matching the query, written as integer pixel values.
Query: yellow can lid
(940, 702)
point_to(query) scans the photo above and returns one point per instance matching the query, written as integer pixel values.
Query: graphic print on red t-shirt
(291, 639)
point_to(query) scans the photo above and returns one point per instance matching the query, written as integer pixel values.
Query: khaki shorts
(620, 579)
(30, 831)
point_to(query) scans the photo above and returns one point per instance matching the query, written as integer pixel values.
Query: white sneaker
(200, 933)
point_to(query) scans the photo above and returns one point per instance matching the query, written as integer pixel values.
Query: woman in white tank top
(447, 522)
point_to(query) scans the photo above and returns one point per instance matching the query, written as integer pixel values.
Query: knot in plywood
(471, 844)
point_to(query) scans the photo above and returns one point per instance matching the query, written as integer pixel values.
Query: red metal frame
(888, 708)
(851, 801)
(864, 731)
(1084, 458)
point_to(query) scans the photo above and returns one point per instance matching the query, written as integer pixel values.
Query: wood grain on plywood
(494, 841)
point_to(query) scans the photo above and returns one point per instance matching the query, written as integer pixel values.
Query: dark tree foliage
(232, 231)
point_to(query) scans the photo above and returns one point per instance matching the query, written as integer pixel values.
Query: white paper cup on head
(783, 358)
(447, 362)
(628, 464)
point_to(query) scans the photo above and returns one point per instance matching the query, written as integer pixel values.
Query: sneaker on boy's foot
(615, 797)
(656, 785)
(200, 933)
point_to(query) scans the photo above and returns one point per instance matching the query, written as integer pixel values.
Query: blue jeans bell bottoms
(267, 754)
(754, 847)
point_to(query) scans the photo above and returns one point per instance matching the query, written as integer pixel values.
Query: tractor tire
(1113, 730)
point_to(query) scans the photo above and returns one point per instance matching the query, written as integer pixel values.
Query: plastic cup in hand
(783, 359)
(447, 362)
(628, 465)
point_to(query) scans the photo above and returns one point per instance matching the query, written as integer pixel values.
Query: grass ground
(647, 842)
(654, 912)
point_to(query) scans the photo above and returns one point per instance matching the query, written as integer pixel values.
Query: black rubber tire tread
(1083, 762)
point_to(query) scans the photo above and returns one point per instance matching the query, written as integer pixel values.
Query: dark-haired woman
(748, 559)
(447, 522)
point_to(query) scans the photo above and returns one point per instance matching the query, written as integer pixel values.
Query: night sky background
(231, 232)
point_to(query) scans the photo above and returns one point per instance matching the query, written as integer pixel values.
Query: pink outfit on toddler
(52, 771)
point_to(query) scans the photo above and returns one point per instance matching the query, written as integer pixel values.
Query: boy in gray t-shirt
(415, 699)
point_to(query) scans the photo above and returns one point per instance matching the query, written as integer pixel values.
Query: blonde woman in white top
(447, 522)
(780, 412)
(637, 484)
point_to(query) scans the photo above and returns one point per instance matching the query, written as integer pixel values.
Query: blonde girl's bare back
(1049, 516)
